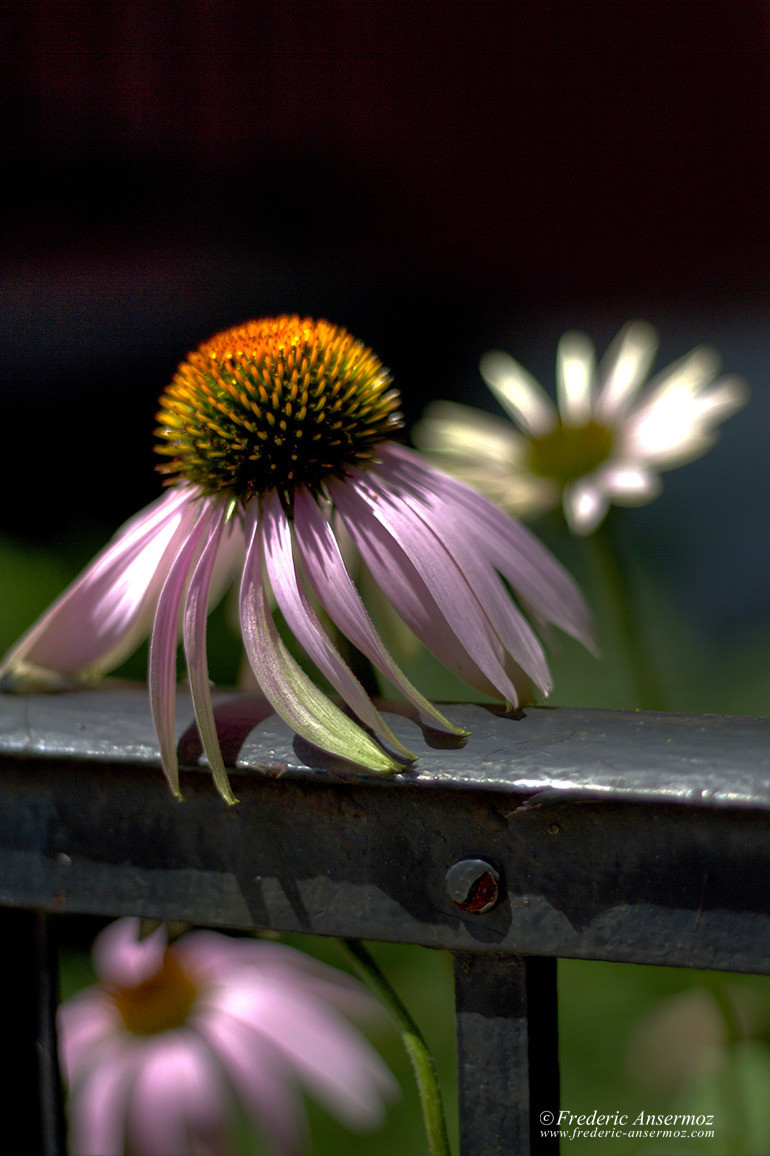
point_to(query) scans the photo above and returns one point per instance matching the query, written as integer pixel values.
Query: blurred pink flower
(174, 1039)
(606, 443)
(278, 433)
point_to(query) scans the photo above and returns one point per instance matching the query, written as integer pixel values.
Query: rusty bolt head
(473, 885)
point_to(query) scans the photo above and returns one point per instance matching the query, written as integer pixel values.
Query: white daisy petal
(488, 454)
(673, 427)
(628, 484)
(623, 369)
(575, 374)
(519, 394)
(585, 506)
(723, 398)
(685, 377)
(449, 428)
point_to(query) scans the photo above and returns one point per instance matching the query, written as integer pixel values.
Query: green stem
(617, 586)
(417, 1049)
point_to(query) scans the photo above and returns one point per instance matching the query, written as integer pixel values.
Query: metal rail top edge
(538, 753)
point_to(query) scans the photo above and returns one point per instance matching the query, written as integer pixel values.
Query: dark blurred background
(439, 178)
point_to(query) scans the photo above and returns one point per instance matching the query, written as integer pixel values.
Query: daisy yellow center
(567, 453)
(158, 1004)
(275, 403)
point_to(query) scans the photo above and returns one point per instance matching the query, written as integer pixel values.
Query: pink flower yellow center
(275, 403)
(567, 453)
(160, 1003)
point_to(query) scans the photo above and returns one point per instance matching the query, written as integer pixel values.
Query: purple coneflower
(277, 433)
(605, 443)
(174, 1039)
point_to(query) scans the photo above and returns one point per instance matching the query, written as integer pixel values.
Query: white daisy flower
(606, 442)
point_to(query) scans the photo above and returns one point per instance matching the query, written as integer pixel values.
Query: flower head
(275, 404)
(276, 434)
(605, 443)
(158, 1054)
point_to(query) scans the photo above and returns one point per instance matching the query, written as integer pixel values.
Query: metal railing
(551, 833)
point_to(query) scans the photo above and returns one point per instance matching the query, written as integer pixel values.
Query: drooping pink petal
(510, 626)
(216, 960)
(178, 1101)
(538, 579)
(84, 1023)
(388, 534)
(336, 1062)
(122, 959)
(293, 695)
(98, 1101)
(412, 599)
(228, 564)
(108, 609)
(336, 591)
(163, 646)
(194, 637)
(302, 621)
(260, 1077)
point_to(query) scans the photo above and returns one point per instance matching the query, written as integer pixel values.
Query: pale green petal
(293, 695)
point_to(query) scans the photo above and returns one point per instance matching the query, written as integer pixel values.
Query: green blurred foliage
(32, 577)
(666, 1041)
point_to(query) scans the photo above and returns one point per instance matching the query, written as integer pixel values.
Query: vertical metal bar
(507, 1054)
(543, 1031)
(52, 1118)
(31, 1089)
